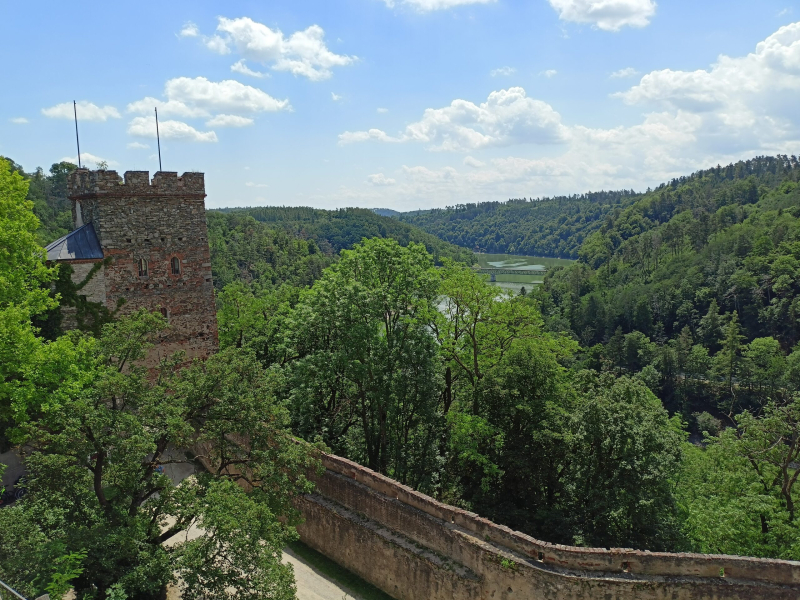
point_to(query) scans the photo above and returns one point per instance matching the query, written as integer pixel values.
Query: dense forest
(646, 396)
(553, 227)
(274, 245)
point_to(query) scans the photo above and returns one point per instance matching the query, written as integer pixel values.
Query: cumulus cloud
(549, 73)
(169, 130)
(430, 5)
(253, 184)
(507, 117)
(138, 146)
(349, 137)
(739, 101)
(503, 72)
(240, 67)
(609, 15)
(335, 97)
(19, 120)
(471, 161)
(624, 73)
(199, 97)
(737, 108)
(380, 179)
(302, 53)
(229, 121)
(87, 111)
(189, 30)
(88, 159)
(383, 111)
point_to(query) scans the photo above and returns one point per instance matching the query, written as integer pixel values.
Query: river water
(515, 282)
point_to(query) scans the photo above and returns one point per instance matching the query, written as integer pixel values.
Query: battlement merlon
(83, 182)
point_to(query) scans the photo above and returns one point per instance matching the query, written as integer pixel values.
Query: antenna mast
(158, 140)
(77, 139)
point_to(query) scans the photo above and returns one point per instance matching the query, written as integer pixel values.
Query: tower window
(176, 265)
(142, 267)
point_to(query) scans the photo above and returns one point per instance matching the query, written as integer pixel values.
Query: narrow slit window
(165, 314)
(142, 267)
(176, 265)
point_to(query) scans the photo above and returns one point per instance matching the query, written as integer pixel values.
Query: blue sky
(403, 104)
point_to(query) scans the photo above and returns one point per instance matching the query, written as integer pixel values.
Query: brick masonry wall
(412, 547)
(156, 221)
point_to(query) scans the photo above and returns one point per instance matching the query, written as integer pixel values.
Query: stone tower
(154, 233)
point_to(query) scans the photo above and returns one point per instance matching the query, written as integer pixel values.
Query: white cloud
(471, 161)
(87, 111)
(169, 130)
(503, 72)
(256, 185)
(380, 179)
(302, 53)
(429, 5)
(240, 67)
(507, 117)
(200, 97)
(138, 146)
(349, 137)
(189, 30)
(609, 15)
(335, 97)
(624, 73)
(549, 73)
(736, 109)
(88, 159)
(173, 108)
(383, 111)
(229, 121)
(19, 120)
(742, 102)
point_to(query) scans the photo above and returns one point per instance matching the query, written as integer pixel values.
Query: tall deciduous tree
(368, 381)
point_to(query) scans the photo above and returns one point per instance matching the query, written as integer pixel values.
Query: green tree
(99, 432)
(475, 328)
(727, 365)
(625, 455)
(368, 378)
(23, 273)
(738, 493)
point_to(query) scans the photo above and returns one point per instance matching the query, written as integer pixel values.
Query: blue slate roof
(81, 244)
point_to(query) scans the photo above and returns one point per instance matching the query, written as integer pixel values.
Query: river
(514, 282)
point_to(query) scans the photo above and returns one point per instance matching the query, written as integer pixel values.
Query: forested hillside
(274, 245)
(554, 227)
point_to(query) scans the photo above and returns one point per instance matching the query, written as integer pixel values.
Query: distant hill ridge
(558, 226)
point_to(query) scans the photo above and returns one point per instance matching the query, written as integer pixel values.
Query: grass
(339, 574)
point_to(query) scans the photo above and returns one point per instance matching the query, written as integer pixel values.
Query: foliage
(98, 446)
(272, 246)
(367, 380)
(536, 227)
(23, 273)
(738, 493)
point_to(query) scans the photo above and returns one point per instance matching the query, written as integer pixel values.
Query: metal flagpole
(77, 139)
(158, 140)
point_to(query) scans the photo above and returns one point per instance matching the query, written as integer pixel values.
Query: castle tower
(155, 235)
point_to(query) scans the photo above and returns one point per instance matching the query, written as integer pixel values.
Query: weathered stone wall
(414, 547)
(156, 221)
(95, 288)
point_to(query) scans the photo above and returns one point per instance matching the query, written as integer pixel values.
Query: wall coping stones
(612, 560)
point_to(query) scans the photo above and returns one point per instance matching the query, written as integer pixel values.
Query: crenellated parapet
(83, 183)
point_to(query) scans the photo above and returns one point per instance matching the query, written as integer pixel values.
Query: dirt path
(313, 585)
